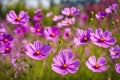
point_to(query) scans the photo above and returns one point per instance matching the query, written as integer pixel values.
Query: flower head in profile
(82, 37)
(63, 63)
(37, 51)
(70, 12)
(6, 38)
(101, 15)
(67, 33)
(97, 65)
(102, 38)
(57, 17)
(117, 67)
(5, 48)
(37, 29)
(115, 52)
(112, 8)
(52, 33)
(14, 19)
(68, 21)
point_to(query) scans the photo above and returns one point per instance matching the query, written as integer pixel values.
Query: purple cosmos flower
(52, 33)
(5, 48)
(2, 28)
(102, 39)
(70, 12)
(115, 52)
(49, 14)
(101, 15)
(57, 17)
(117, 67)
(67, 33)
(37, 29)
(63, 63)
(38, 15)
(68, 21)
(37, 51)
(112, 8)
(21, 30)
(82, 37)
(6, 38)
(97, 66)
(14, 19)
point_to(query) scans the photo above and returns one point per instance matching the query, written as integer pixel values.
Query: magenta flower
(115, 52)
(57, 17)
(102, 39)
(67, 33)
(6, 38)
(52, 33)
(82, 37)
(5, 48)
(38, 15)
(68, 21)
(101, 15)
(70, 12)
(112, 8)
(63, 63)
(2, 28)
(21, 30)
(117, 67)
(37, 51)
(97, 66)
(37, 29)
(14, 19)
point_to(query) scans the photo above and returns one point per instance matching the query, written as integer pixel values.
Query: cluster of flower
(63, 63)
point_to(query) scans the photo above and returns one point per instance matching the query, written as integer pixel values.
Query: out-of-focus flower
(37, 29)
(63, 63)
(68, 21)
(97, 66)
(37, 51)
(115, 52)
(67, 33)
(6, 38)
(82, 37)
(112, 8)
(5, 48)
(52, 33)
(2, 28)
(14, 19)
(49, 14)
(102, 39)
(21, 30)
(57, 17)
(70, 12)
(101, 15)
(38, 15)
(117, 67)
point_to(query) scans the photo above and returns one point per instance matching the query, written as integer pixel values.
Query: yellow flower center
(102, 39)
(52, 35)
(64, 65)
(6, 49)
(97, 66)
(18, 19)
(85, 38)
(37, 52)
(38, 30)
(71, 15)
(5, 40)
(69, 23)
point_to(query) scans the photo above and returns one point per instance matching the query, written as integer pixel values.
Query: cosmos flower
(63, 63)
(70, 12)
(38, 15)
(2, 28)
(102, 39)
(115, 52)
(57, 17)
(37, 51)
(37, 29)
(6, 38)
(117, 67)
(82, 37)
(101, 15)
(14, 19)
(67, 33)
(112, 8)
(49, 14)
(5, 48)
(21, 30)
(68, 21)
(97, 66)
(52, 33)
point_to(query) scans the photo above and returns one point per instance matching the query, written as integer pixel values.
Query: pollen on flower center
(52, 35)
(85, 38)
(113, 10)
(69, 23)
(18, 19)
(71, 15)
(64, 65)
(5, 40)
(38, 30)
(102, 17)
(116, 52)
(67, 34)
(37, 52)
(6, 49)
(97, 66)
(102, 39)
